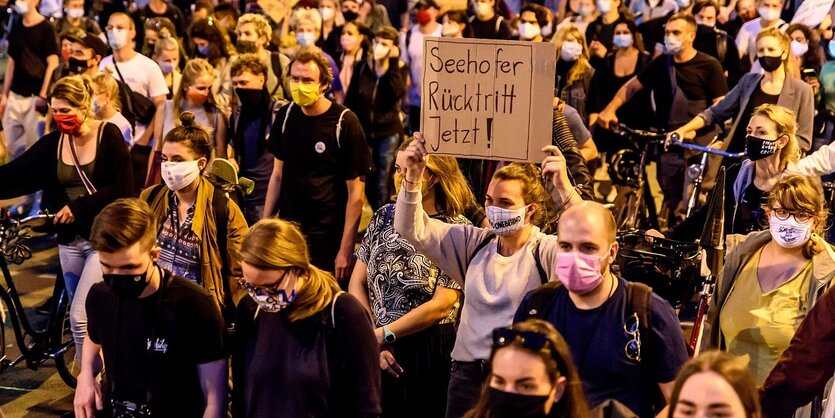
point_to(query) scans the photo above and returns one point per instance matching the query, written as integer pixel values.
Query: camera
(127, 409)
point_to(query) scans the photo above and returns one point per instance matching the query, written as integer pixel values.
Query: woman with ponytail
(84, 166)
(189, 212)
(302, 346)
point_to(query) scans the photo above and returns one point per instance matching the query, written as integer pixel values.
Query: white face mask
(586, 10)
(799, 49)
(604, 6)
(528, 31)
(450, 29)
(768, 14)
(789, 233)
(482, 10)
(506, 221)
(178, 175)
(306, 39)
(683, 4)
(570, 51)
(118, 38)
(672, 44)
(75, 13)
(381, 51)
(327, 13)
(21, 7)
(547, 30)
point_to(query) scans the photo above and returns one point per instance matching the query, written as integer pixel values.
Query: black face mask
(513, 405)
(758, 148)
(246, 47)
(250, 98)
(350, 15)
(126, 286)
(76, 66)
(770, 64)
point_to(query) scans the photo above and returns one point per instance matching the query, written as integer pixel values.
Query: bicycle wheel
(625, 213)
(65, 353)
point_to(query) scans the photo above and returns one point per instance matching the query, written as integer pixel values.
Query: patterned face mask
(270, 300)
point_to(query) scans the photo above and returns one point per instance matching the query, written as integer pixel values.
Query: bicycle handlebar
(623, 129)
(676, 140)
(6, 220)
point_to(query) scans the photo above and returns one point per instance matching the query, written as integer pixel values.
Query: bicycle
(37, 346)
(697, 171)
(636, 208)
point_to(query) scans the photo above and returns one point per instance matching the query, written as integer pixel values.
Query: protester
(715, 384)
(354, 44)
(74, 18)
(254, 34)
(486, 23)
(211, 43)
(772, 278)
(746, 40)
(600, 33)
(320, 189)
(296, 329)
(806, 58)
(332, 21)
(167, 55)
(586, 14)
(714, 41)
(86, 52)
(251, 122)
(161, 8)
(195, 96)
(574, 73)
(485, 259)
(106, 105)
(532, 21)
(160, 336)
(375, 96)
(32, 59)
(413, 303)
(532, 374)
(412, 47)
(84, 166)
(191, 213)
(371, 14)
(154, 29)
(601, 314)
(647, 11)
(455, 25)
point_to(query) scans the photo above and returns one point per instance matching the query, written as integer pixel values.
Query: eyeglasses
(783, 215)
(633, 346)
(534, 341)
(272, 291)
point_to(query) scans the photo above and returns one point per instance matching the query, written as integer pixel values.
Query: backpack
(338, 124)
(275, 63)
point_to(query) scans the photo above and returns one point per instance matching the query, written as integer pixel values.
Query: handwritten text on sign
(487, 99)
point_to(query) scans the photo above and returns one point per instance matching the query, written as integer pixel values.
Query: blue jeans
(377, 185)
(82, 270)
(465, 383)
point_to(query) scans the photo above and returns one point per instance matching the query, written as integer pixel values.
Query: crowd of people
(208, 165)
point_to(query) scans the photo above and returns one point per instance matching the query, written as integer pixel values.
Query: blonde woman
(303, 347)
(84, 165)
(413, 303)
(194, 95)
(772, 279)
(106, 104)
(168, 53)
(574, 73)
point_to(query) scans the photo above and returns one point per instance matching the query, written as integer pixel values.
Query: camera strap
(164, 278)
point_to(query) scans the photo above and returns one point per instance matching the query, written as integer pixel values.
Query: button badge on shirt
(320, 147)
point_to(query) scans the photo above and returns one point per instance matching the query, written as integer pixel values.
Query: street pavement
(24, 392)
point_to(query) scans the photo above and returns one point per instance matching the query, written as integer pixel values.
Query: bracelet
(568, 199)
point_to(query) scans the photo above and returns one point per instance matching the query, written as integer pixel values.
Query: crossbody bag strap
(91, 189)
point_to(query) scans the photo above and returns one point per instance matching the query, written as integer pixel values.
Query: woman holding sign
(500, 264)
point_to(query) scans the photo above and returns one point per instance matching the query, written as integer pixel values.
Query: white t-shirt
(142, 75)
(414, 57)
(746, 40)
(119, 120)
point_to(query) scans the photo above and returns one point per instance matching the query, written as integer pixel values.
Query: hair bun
(187, 119)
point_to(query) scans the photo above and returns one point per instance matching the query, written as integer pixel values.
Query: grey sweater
(494, 285)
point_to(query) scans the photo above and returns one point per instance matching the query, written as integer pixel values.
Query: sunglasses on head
(529, 340)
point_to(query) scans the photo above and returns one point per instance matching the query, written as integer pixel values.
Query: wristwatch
(388, 335)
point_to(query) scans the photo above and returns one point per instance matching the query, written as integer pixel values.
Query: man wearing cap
(412, 42)
(85, 55)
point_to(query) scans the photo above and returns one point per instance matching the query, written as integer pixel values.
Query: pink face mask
(578, 272)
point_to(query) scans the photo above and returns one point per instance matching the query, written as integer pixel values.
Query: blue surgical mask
(166, 67)
(204, 50)
(623, 40)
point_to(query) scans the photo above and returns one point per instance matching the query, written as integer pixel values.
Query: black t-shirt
(316, 166)
(601, 32)
(29, 47)
(319, 366)
(750, 215)
(172, 12)
(487, 29)
(597, 340)
(189, 331)
(758, 97)
(701, 78)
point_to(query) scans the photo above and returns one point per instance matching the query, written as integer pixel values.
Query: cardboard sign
(276, 9)
(487, 99)
(812, 12)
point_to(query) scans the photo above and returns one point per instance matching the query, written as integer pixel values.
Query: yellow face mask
(304, 94)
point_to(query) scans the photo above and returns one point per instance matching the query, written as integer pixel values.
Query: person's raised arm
(554, 169)
(607, 116)
(213, 380)
(273, 188)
